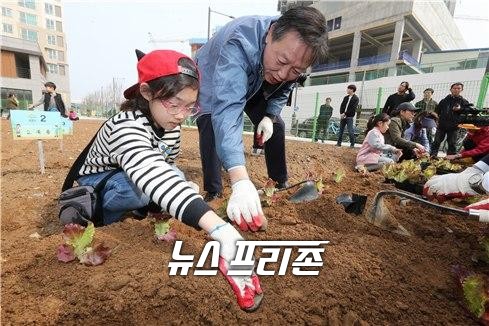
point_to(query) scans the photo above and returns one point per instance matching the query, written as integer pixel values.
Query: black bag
(82, 204)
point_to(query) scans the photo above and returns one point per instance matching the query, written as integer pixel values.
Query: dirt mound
(369, 275)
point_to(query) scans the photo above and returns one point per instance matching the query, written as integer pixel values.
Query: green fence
(303, 122)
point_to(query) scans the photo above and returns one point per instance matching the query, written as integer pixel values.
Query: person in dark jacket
(404, 94)
(348, 109)
(52, 101)
(395, 136)
(448, 111)
(325, 113)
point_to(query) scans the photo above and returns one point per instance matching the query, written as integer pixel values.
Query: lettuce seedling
(163, 231)
(475, 288)
(338, 175)
(78, 244)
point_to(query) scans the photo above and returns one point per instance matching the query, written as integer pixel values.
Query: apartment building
(33, 49)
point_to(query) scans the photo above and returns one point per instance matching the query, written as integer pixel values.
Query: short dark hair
(457, 84)
(352, 87)
(328, 98)
(430, 90)
(311, 26)
(50, 84)
(164, 88)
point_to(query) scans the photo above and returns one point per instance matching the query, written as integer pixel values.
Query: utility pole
(209, 20)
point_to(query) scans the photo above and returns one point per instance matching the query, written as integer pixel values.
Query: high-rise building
(33, 50)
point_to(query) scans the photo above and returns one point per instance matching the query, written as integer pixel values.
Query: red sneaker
(247, 289)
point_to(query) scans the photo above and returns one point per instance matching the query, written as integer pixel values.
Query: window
(7, 28)
(52, 54)
(329, 25)
(49, 8)
(28, 19)
(27, 3)
(337, 23)
(7, 12)
(28, 34)
(61, 56)
(60, 41)
(62, 70)
(59, 26)
(52, 39)
(57, 10)
(50, 24)
(52, 68)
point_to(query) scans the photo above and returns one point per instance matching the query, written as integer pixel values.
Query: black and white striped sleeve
(129, 144)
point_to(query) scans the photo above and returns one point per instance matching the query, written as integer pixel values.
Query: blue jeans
(53, 110)
(119, 195)
(348, 121)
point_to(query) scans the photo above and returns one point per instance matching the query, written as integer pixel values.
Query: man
(348, 109)
(325, 113)
(404, 94)
(52, 101)
(448, 111)
(251, 65)
(429, 105)
(395, 135)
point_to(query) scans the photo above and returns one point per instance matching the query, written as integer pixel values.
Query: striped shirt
(128, 140)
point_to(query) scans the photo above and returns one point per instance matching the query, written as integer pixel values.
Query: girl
(143, 140)
(374, 152)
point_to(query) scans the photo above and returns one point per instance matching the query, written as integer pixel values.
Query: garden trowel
(380, 216)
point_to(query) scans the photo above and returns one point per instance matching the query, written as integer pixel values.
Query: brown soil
(369, 276)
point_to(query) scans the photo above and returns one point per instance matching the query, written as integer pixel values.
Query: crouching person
(404, 115)
(143, 141)
(374, 153)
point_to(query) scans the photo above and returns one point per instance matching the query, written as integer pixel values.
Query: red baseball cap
(156, 64)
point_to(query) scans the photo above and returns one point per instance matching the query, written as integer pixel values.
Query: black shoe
(352, 146)
(338, 145)
(210, 196)
(282, 185)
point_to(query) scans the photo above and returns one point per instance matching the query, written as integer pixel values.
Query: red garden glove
(247, 289)
(453, 185)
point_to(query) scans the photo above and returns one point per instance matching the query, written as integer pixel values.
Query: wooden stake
(40, 150)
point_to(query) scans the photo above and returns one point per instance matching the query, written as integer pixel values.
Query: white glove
(244, 207)
(247, 288)
(451, 185)
(265, 129)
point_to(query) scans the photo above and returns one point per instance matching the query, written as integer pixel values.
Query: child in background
(374, 153)
(73, 116)
(143, 140)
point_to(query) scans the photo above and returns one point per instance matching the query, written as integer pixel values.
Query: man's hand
(244, 207)
(453, 185)
(342, 116)
(265, 129)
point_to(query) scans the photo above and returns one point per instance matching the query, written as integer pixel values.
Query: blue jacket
(231, 67)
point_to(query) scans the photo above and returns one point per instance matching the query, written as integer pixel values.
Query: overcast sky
(102, 35)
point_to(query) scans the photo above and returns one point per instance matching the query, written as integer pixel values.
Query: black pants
(274, 147)
(322, 129)
(348, 121)
(451, 140)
